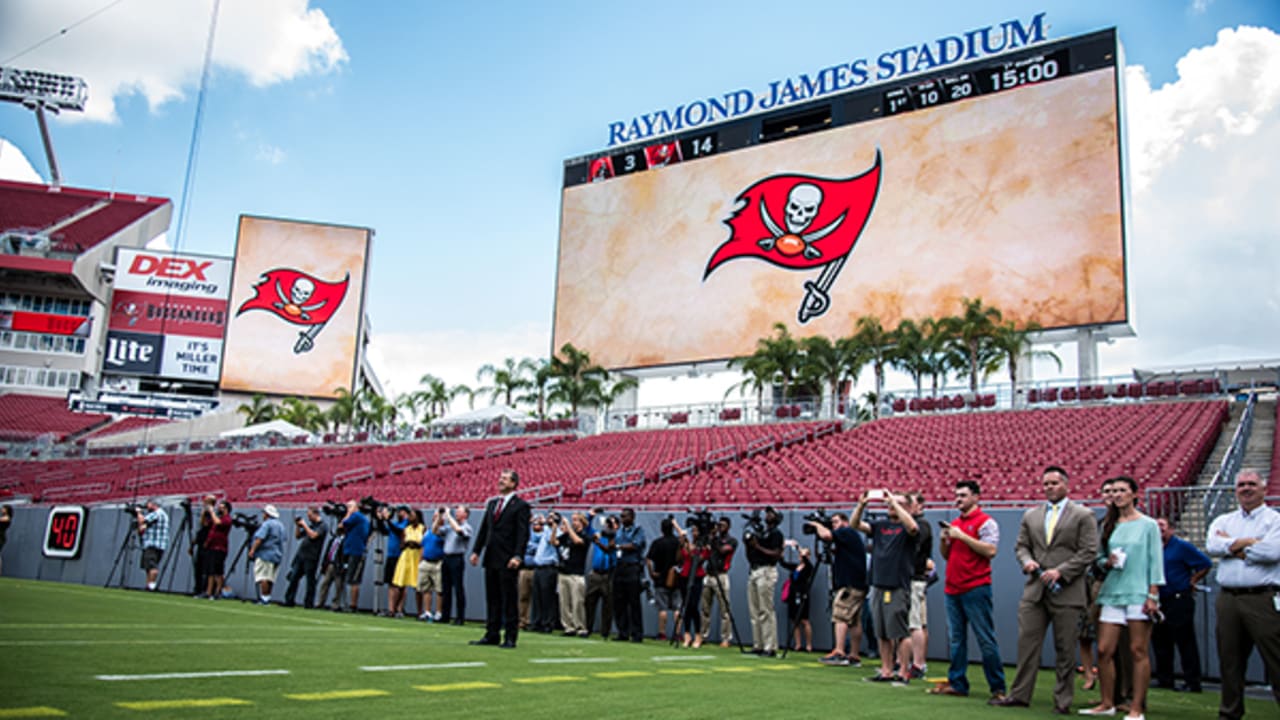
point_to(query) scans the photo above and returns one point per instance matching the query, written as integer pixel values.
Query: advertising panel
(175, 304)
(297, 301)
(1011, 193)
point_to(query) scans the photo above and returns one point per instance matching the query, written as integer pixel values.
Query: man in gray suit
(1056, 543)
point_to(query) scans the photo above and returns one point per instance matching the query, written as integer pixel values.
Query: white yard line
(683, 658)
(571, 661)
(435, 666)
(191, 675)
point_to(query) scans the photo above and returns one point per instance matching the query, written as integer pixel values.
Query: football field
(77, 651)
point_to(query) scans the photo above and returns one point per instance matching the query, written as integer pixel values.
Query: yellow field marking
(447, 687)
(547, 679)
(28, 712)
(683, 671)
(338, 695)
(622, 674)
(777, 667)
(736, 669)
(181, 704)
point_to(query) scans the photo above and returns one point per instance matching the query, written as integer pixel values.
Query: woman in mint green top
(1133, 556)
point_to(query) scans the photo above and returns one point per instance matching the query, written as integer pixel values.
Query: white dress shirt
(1261, 563)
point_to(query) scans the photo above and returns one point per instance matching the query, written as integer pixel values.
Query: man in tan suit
(1056, 543)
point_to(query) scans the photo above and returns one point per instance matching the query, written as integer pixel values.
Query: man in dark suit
(502, 536)
(1057, 541)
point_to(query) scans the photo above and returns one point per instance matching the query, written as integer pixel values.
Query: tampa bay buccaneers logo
(801, 222)
(297, 298)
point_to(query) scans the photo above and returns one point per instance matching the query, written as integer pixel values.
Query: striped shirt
(157, 533)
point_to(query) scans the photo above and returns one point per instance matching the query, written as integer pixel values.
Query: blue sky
(444, 126)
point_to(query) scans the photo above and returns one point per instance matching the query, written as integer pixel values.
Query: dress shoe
(507, 645)
(484, 641)
(1061, 711)
(946, 689)
(1006, 701)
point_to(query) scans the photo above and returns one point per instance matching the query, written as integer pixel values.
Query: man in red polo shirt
(968, 543)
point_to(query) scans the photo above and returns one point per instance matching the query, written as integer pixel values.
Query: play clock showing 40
(64, 532)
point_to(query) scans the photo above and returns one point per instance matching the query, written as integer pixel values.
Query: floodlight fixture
(39, 91)
(34, 88)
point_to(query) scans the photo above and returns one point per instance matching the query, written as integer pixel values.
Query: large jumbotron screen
(1000, 180)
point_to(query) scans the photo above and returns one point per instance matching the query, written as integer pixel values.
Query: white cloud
(1205, 233)
(155, 48)
(270, 154)
(14, 165)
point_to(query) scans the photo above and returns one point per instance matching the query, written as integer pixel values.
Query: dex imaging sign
(168, 314)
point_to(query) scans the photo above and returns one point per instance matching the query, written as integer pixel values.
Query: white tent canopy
(485, 415)
(281, 427)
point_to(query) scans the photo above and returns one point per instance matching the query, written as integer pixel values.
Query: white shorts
(1122, 614)
(263, 570)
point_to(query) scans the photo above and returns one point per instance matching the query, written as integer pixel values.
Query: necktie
(1050, 522)
(497, 509)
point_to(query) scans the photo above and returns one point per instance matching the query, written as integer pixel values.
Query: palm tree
(539, 386)
(611, 390)
(576, 379)
(259, 410)
(435, 395)
(759, 373)
(831, 363)
(934, 334)
(506, 380)
(909, 353)
(344, 410)
(784, 354)
(877, 345)
(409, 404)
(970, 343)
(1011, 343)
(378, 414)
(459, 390)
(303, 413)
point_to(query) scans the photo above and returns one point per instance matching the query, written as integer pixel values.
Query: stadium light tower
(40, 91)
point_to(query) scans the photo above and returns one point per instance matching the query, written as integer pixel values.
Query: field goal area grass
(78, 651)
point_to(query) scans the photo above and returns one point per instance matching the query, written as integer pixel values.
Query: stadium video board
(167, 315)
(1000, 179)
(297, 303)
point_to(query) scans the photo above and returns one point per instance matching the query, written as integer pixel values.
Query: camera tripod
(169, 561)
(122, 557)
(248, 538)
(692, 604)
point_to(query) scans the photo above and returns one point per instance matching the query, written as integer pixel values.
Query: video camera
(336, 509)
(754, 527)
(134, 509)
(248, 521)
(703, 521)
(370, 504)
(817, 516)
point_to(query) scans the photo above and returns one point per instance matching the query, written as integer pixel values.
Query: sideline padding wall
(105, 529)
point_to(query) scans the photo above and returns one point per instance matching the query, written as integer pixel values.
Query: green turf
(56, 638)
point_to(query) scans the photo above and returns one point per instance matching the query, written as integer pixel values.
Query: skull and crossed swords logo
(803, 203)
(295, 302)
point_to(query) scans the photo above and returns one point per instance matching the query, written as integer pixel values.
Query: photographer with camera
(571, 546)
(600, 579)
(848, 583)
(310, 531)
(795, 593)
(266, 552)
(153, 527)
(764, 550)
(716, 587)
(457, 536)
(332, 571)
(356, 526)
(392, 524)
(630, 544)
(892, 563)
(694, 556)
(216, 543)
(430, 565)
(662, 561)
(546, 561)
(195, 550)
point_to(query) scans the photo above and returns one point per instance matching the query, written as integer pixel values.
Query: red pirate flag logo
(298, 298)
(801, 222)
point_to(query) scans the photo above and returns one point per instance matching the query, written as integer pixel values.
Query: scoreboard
(1001, 179)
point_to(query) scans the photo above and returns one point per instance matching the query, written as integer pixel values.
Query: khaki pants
(1033, 624)
(524, 587)
(573, 591)
(761, 583)
(709, 595)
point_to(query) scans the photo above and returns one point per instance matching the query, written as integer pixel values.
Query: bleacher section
(1159, 444)
(26, 417)
(95, 215)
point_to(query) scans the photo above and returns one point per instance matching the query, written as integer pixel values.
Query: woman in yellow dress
(406, 576)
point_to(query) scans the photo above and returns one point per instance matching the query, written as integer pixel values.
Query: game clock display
(64, 532)
(994, 78)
